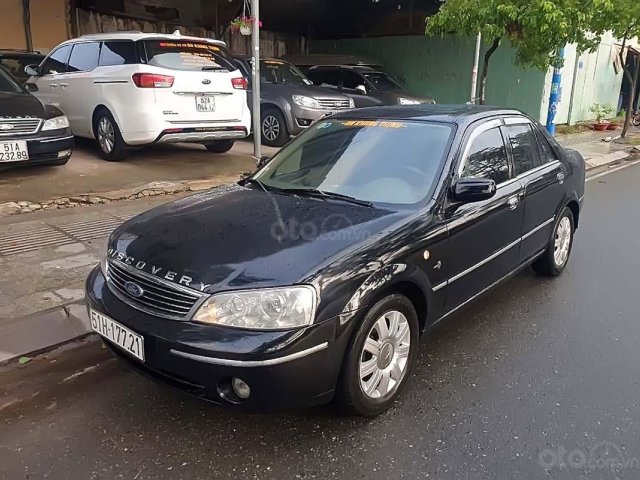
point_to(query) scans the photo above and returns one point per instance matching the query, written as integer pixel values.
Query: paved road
(540, 373)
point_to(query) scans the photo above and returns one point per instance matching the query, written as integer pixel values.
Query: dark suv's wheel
(219, 146)
(109, 137)
(380, 357)
(556, 256)
(274, 128)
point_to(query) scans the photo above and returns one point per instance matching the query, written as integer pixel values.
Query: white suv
(139, 88)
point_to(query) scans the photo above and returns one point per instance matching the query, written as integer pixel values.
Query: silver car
(290, 102)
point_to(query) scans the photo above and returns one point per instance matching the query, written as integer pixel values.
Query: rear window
(188, 55)
(118, 53)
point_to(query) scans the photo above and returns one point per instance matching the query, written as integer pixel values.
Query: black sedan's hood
(20, 105)
(237, 237)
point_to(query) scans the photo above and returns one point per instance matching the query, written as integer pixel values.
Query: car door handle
(513, 202)
(64, 85)
(54, 85)
(560, 177)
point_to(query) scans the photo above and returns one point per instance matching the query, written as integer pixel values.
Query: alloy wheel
(385, 355)
(270, 128)
(106, 135)
(562, 242)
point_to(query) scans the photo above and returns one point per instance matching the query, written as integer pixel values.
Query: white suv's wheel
(108, 136)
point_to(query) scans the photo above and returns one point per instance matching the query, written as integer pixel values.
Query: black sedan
(313, 279)
(30, 132)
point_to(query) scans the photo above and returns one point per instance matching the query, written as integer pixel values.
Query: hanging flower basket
(243, 24)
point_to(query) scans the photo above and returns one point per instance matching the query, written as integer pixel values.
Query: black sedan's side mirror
(263, 161)
(469, 190)
(32, 70)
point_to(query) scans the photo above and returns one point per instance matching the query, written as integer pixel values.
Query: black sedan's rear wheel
(380, 357)
(555, 258)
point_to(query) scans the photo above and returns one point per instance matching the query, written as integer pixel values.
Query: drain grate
(23, 242)
(92, 229)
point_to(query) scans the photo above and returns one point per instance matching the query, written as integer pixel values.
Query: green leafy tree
(537, 29)
(622, 18)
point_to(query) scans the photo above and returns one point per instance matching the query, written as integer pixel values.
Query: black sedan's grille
(19, 125)
(156, 297)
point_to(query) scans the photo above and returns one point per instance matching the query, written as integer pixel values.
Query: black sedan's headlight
(279, 308)
(56, 123)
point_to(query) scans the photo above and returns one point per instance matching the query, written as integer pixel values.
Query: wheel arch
(271, 105)
(97, 109)
(575, 210)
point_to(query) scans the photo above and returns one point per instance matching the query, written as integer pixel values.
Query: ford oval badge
(134, 289)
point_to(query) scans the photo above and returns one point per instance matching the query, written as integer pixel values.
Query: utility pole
(255, 80)
(474, 72)
(554, 97)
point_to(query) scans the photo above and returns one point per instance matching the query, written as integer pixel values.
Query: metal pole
(255, 77)
(554, 97)
(474, 72)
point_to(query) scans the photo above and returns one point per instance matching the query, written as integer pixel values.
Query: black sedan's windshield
(8, 84)
(281, 73)
(382, 81)
(379, 161)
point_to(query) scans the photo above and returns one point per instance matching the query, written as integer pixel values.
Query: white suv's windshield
(379, 161)
(187, 55)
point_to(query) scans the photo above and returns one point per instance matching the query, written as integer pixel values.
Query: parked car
(290, 102)
(364, 231)
(16, 60)
(305, 61)
(31, 132)
(130, 89)
(366, 86)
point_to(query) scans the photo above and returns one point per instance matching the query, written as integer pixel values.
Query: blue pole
(554, 97)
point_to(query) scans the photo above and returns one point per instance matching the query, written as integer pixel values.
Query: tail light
(152, 80)
(239, 83)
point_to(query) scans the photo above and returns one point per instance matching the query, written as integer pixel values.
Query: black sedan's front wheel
(380, 357)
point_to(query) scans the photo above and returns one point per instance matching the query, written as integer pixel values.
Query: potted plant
(243, 24)
(601, 111)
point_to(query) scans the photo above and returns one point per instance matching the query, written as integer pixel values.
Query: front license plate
(205, 103)
(15, 151)
(127, 340)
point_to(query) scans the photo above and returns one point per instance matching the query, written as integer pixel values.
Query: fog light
(64, 153)
(304, 122)
(240, 388)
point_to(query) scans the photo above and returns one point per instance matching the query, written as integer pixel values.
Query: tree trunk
(485, 70)
(632, 99)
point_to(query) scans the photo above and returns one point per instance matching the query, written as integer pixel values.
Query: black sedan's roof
(459, 114)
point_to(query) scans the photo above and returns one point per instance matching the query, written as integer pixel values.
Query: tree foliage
(537, 29)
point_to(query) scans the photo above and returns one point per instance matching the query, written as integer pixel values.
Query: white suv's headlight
(408, 101)
(56, 123)
(306, 102)
(265, 309)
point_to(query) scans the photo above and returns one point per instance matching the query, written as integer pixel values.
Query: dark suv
(16, 60)
(290, 102)
(366, 86)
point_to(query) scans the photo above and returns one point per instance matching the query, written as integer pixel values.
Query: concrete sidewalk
(46, 256)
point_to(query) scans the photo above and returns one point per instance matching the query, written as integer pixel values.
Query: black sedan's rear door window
(523, 147)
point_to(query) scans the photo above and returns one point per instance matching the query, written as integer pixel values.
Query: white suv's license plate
(124, 338)
(15, 151)
(205, 103)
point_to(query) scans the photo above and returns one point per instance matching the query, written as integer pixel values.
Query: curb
(43, 331)
(147, 190)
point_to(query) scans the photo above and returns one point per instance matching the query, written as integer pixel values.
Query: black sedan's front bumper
(284, 370)
(44, 148)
